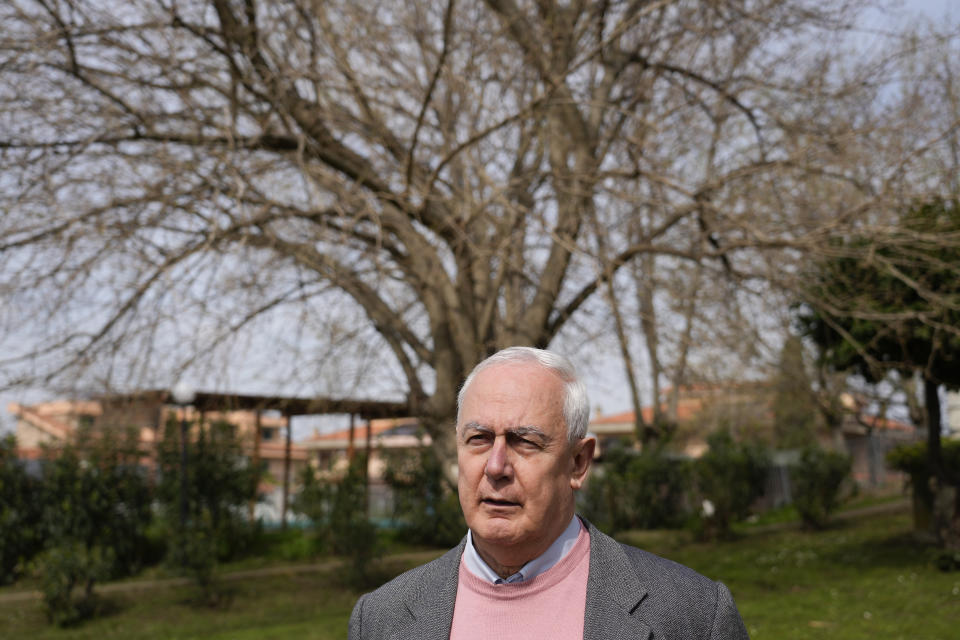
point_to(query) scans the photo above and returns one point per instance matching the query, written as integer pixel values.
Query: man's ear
(582, 457)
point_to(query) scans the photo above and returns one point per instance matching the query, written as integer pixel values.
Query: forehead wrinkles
(505, 402)
(512, 397)
(522, 384)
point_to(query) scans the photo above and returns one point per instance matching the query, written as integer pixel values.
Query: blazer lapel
(613, 593)
(429, 605)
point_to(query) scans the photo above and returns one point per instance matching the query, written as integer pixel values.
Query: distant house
(953, 414)
(617, 428)
(330, 452)
(746, 410)
(55, 423)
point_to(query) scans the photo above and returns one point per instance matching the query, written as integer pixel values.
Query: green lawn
(863, 579)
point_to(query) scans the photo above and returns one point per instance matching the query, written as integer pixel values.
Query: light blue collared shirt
(554, 554)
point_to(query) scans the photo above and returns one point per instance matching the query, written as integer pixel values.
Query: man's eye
(526, 443)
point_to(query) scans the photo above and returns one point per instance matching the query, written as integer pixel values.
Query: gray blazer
(630, 594)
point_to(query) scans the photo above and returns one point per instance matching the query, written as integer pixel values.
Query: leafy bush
(912, 460)
(637, 491)
(220, 484)
(96, 510)
(69, 571)
(338, 510)
(423, 501)
(292, 544)
(20, 513)
(817, 481)
(729, 477)
(194, 551)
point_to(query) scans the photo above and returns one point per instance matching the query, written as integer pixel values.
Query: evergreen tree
(898, 309)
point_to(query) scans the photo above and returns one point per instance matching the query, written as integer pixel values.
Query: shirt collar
(554, 553)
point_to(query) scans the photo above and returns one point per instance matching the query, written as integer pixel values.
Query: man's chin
(498, 530)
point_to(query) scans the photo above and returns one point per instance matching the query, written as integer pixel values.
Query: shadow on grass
(849, 544)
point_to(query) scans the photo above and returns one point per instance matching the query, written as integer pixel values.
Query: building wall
(30, 437)
(127, 413)
(869, 460)
(953, 413)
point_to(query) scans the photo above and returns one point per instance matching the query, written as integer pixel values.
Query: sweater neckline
(549, 578)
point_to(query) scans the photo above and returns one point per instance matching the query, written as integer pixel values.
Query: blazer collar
(429, 605)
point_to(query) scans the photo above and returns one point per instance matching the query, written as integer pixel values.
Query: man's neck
(506, 563)
(502, 570)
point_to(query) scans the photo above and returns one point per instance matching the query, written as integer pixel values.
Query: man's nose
(498, 462)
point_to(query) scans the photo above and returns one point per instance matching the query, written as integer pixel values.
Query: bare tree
(190, 168)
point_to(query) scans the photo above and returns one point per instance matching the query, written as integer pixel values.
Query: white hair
(576, 405)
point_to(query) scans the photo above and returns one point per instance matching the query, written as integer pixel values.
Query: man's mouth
(494, 502)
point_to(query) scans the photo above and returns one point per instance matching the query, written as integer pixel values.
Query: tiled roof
(44, 417)
(381, 429)
(687, 408)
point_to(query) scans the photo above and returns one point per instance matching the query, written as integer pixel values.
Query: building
(48, 425)
(331, 452)
(953, 414)
(263, 424)
(746, 410)
(377, 439)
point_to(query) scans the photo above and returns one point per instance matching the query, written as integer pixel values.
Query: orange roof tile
(360, 431)
(687, 408)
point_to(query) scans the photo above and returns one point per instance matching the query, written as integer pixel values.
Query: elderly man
(528, 566)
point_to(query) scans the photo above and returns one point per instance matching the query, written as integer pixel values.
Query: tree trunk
(931, 401)
(641, 429)
(946, 502)
(442, 432)
(286, 473)
(257, 435)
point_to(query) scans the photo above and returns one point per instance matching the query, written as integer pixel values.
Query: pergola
(288, 406)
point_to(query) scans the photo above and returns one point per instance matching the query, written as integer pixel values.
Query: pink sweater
(550, 605)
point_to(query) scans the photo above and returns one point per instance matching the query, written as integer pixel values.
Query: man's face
(518, 473)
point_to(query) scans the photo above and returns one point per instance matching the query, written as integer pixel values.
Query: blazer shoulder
(658, 572)
(410, 584)
(683, 602)
(654, 572)
(674, 600)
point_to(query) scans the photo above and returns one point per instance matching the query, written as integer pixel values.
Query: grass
(860, 579)
(301, 606)
(866, 579)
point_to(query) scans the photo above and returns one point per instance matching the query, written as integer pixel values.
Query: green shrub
(315, 501)
(631, 490)
(220, 484)
(194, 552)
(68, 572)
(96, 511)
(729, 477)
(20, 514)
(289, 545)
(338, 510)
(912, 460)
(818, 481)
(424, 503)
